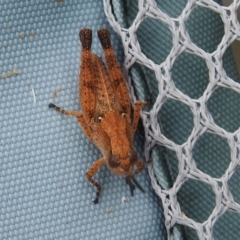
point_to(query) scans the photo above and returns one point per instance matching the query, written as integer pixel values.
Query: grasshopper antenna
(131, 186)
(132, 182)
(137, 185)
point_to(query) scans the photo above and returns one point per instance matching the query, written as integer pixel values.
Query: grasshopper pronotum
(106, 112)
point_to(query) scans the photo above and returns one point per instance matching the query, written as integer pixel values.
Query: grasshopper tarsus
(95, 201)
(51, 105)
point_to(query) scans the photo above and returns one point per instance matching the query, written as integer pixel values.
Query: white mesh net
(203, 121)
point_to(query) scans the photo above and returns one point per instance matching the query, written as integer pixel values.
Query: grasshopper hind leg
(85, 36)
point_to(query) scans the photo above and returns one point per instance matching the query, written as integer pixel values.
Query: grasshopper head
(126, 167)
(123, 165)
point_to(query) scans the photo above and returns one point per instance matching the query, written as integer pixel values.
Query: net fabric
(203, 121)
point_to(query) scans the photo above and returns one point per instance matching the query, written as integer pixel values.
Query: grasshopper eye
(133, 156)
(114, 161)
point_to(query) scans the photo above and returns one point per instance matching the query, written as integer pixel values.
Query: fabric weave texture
(44, 155)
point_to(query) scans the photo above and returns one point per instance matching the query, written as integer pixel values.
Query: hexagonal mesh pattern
(208, 132)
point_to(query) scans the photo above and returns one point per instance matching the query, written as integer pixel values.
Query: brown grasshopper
(106, 112)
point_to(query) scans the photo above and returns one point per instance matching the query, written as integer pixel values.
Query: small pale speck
(109, 210)
(21, 35)
(9, 74)
(54, 94)
(32, 34)
(123, 199)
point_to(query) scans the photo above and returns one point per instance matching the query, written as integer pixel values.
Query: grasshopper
(106, 118)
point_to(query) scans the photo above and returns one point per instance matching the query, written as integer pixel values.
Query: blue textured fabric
(190, 75)
(44, 155)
